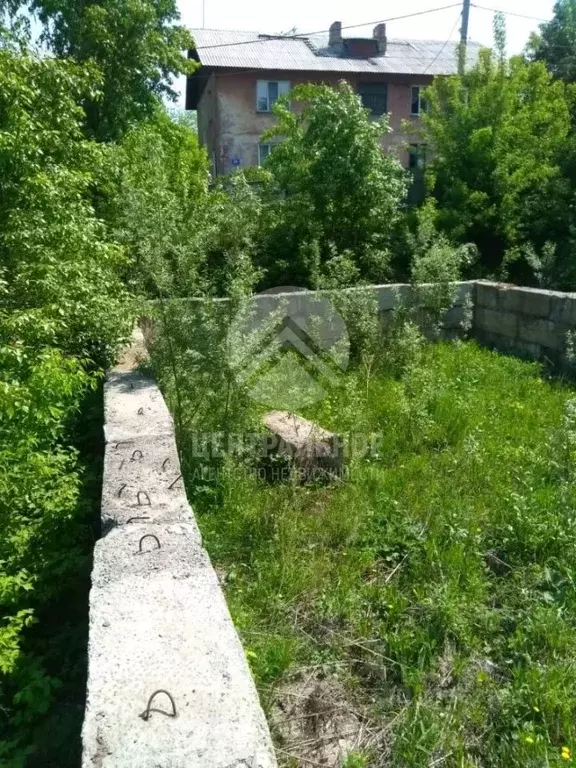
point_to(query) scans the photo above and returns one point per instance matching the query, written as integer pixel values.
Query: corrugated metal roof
(249, 50)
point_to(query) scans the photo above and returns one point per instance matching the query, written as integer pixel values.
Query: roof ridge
(307, 37)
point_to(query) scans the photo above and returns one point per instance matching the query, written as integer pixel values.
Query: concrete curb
(158, 618)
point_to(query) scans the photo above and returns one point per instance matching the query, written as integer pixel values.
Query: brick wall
(232, 130)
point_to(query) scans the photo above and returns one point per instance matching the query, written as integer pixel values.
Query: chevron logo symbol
(288, 347)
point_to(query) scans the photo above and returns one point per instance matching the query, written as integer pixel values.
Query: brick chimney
(380, 37)
(335, 38)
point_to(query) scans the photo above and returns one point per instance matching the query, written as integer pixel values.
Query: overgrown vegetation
(503, 171)
(105, 196)
(429, 596)
(328, 146)
(63, 312)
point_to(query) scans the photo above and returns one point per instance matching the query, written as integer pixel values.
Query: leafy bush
(502, 134)
(57, 265)
(184, 238)
(154, 182)
(63, 313)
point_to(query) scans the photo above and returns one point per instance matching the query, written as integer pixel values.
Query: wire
(441, 51)
(323, 31)
(197, 76)
(508, 13)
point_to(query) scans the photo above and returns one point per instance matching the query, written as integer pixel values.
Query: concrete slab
(141, 549)
(142, 473)
(159, 631)
(131, 511)
(528, 301)
(493, 321)
(563, 310)
(134, 407)
(487, 294)
(158, 618)
(544, 333)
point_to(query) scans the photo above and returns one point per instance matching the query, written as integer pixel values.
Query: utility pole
(203, 14)
(463, 36)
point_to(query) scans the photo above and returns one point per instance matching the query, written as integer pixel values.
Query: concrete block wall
(529, 322)
(158, 618)
(301, 303)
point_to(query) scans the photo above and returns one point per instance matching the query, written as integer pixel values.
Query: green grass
(436, 583)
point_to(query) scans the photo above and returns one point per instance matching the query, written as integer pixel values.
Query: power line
(509, 13)
(441, 51)
(267, 39)
(304, 35)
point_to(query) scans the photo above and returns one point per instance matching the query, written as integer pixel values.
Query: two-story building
(241, 75)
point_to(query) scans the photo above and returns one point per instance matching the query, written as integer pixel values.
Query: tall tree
(341, 193)
(556, 43)
(501, 133)
(136, 44)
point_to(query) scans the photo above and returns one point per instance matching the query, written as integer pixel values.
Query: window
(418, 103)
(267, 93)
(263, 152)
(416, 156)
(374, 97)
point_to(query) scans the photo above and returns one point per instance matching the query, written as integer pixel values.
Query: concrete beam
(158, 618)
(159, 621)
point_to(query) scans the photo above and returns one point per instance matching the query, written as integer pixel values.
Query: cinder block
(465, 293)
(495, 321)
(542, 332)
(455, 317)
(487, 294)
(528, 301)
(563, 310)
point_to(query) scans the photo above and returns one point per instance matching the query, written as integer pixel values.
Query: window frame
(421, 101)
(262, 160)
(283, 87)
(381, 83)
(417, 156)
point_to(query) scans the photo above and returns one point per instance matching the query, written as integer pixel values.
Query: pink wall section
(230, 127)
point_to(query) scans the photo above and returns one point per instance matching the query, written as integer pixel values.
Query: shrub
(63, 313)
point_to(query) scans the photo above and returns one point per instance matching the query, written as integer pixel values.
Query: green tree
(136, 44)
(184, 238)
(63, 313)
(56, 262)
(556, 43)
(156, 179)
(501, 133)
(341, 194)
